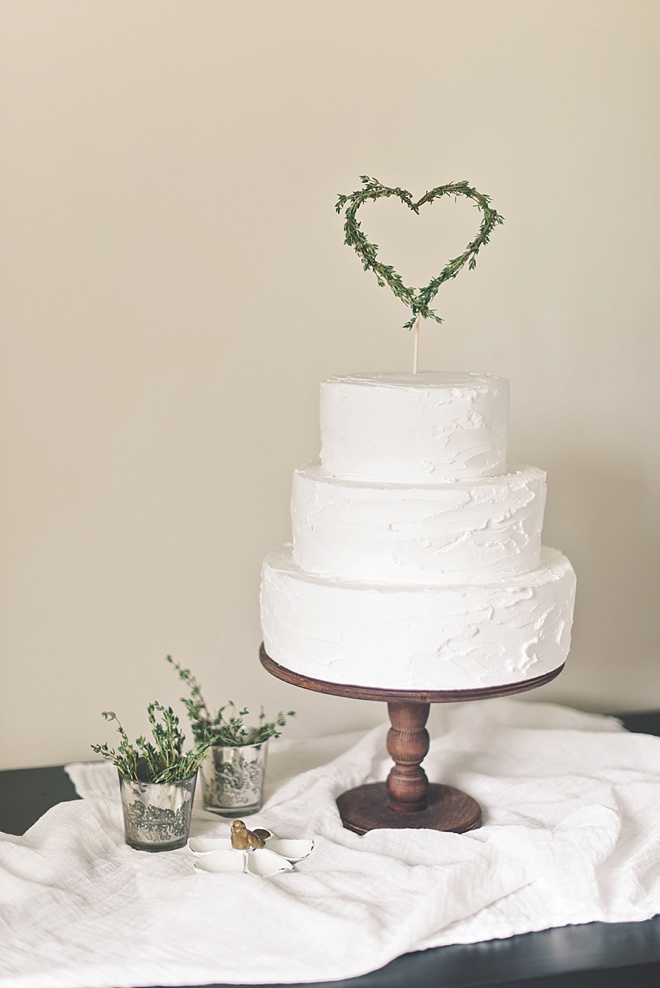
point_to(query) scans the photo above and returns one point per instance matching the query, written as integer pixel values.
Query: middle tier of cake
(470, 531)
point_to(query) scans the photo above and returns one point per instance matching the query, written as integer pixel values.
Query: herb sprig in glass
(227, 725)
(161, 759)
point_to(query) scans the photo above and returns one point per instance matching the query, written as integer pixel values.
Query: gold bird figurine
(243, 839)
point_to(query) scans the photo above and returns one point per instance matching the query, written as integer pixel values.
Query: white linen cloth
(571, 834)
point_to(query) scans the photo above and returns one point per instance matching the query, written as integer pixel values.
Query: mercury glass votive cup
(233, 778)
(157, 814)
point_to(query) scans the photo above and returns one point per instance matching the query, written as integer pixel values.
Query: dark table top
(594, 955)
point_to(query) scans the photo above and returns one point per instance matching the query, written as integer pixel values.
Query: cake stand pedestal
(407, 799)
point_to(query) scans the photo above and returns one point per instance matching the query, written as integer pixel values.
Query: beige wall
(174, 286)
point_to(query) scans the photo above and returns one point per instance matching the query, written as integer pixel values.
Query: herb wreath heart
(418, 300)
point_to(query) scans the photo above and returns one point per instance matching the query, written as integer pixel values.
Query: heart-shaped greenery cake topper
(420, 300)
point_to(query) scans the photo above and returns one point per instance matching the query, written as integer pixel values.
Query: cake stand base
(448, 809)
(407, 799)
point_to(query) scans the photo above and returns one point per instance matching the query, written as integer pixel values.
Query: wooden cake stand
(407, 799)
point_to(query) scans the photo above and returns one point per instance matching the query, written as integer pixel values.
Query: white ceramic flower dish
(216, 855)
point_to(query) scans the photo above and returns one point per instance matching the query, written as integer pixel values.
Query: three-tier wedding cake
(416, 561)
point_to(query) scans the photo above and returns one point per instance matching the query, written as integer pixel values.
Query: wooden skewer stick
(416, 344)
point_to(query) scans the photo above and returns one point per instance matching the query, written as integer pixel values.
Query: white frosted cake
(416, 560)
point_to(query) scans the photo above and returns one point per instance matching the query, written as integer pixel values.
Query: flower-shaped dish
(217, 856)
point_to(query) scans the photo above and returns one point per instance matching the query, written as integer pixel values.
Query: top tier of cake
(427, 428)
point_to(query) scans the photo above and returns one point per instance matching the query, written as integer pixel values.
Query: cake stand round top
(402, 695)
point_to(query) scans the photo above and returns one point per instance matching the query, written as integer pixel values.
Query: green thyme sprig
(220, 728)
(419, 301)
(161, 759)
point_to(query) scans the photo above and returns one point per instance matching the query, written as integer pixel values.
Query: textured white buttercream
(465, 532)
(417, 560)
(418, 636)
(422, 428)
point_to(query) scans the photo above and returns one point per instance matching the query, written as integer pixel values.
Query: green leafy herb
(222, 728)
(161, 759)
(419, 301)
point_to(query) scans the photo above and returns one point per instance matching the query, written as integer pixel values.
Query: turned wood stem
(408, 744)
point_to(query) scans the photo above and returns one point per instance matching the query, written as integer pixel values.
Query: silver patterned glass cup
(233, 778)
(157, 814)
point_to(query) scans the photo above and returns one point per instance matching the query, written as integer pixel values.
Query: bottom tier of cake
(418, 636)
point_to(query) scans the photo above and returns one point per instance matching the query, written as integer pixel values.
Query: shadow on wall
(606, 521)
